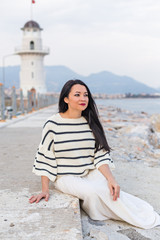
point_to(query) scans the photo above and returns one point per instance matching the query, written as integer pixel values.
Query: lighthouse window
(31, 45)
(32, 63)
(32, 74)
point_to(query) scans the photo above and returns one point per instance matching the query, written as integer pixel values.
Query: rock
(155, 122)
(140, 131)
(53, 226)
(12, 225)
(156, 153)
(117, 127)
(154, 139)
(154, 131)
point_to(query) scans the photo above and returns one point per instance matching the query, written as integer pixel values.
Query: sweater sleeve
(45, 162)
(103, 157)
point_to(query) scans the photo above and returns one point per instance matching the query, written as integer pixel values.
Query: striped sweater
(68, 147)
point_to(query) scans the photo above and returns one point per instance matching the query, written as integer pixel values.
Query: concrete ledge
(57, 219)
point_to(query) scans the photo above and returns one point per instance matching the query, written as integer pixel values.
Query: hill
(102, 82)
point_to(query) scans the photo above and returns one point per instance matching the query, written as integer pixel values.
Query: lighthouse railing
(14, 104)
(19, 50)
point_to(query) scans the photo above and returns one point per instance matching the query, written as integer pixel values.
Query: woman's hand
(112, 184)
(38, 197)
(114, 189)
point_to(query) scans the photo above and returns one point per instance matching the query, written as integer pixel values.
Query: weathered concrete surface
(57, 219)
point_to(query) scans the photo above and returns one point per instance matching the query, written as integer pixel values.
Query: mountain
(107, 82)
(158, 89)
(102, 82)
(56, 76)
(11, 76)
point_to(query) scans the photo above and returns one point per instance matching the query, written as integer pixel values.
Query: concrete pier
(57, 219)
(137, 171)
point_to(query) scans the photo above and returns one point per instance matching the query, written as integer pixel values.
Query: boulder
(155, 122)
(154, 139)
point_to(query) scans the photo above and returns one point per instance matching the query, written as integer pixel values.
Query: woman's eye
(77, 95)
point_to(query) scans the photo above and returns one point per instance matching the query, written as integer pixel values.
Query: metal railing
(21, 50)
(15, 104)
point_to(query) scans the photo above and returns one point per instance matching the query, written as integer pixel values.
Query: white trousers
(97, 202)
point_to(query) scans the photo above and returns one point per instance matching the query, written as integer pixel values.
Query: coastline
(137, 105)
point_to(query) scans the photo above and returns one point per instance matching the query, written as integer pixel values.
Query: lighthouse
(32, 74)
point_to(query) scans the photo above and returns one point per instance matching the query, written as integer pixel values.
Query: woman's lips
(82, 104)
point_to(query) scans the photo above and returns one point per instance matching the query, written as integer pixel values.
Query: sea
(148, 105)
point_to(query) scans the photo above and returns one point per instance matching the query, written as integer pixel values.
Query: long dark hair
(90, 113)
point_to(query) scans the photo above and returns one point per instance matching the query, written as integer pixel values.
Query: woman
(75, 155)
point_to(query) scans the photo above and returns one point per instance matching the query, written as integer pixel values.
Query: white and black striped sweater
(68, 147)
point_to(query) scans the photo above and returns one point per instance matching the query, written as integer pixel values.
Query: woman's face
(77, 98)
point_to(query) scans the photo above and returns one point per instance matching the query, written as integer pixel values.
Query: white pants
(97, 202)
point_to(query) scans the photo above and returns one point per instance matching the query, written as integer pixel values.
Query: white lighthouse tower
(32, 75)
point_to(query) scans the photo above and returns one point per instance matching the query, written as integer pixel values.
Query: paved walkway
(57, 219)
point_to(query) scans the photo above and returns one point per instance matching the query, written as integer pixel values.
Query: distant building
(32, 75)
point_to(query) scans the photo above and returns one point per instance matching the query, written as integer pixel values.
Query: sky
(89, 36)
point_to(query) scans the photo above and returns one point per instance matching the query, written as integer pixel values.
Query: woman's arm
(44, 193)
(113, 186)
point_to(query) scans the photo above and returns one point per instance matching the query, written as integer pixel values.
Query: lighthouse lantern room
(32, 74)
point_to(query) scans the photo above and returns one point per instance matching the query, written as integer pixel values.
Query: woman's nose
(83, 98)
